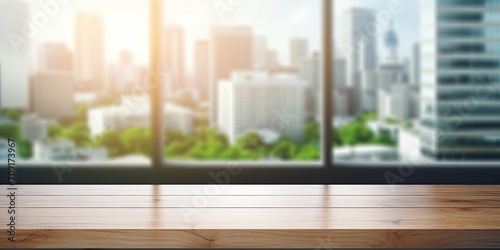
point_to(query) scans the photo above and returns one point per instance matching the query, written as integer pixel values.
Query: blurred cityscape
(242, 102)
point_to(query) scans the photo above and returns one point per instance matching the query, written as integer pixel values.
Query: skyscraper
(360, 48)
(230, 50)
(391, 43)
(310, 71)
(272, 59)
(15, 54)
(89, 51)
(125, 75)
(415, 65)
(299, 50)
(460, 72)
(259, 52)
(202, 79)
(55, 57)
(340, 74)
(174, 59)
(52, 94)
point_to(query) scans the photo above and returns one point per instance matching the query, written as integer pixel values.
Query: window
(242, 88)
(242, 92)
(71, 89)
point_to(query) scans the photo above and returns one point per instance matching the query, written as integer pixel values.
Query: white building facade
(256, 101)
(135, 113)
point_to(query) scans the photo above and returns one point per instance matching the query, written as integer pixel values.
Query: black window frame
(327, 172)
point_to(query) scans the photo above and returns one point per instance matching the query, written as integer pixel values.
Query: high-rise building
(340, 73)
(360, 51)
(389, 74)
(174, 59)
(310, 71)
(54, 57)
(299, 50)
(391, 42)
(230, 50)
(360, 48)
(341, 105)
(397, 102)
(415, 65)
(15, 54)
(259, 53)
(459, 80)
(52, 94)
(272, 59)
(202, 60)
(255, 102)
(89, 58)
(125, 75)
(368, 90)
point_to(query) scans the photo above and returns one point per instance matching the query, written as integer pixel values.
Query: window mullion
(156, 82)
(327, 75)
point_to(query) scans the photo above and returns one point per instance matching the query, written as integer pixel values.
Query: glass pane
(417, 86)
(242, 80)
(73, 77)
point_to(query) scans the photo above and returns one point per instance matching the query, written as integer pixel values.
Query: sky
(406, 23)
(127, 21)
(278, 20)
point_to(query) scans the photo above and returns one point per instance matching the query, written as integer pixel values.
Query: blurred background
(414, 80)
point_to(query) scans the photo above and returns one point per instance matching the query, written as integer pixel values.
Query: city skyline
(117, 16)
(381, 97)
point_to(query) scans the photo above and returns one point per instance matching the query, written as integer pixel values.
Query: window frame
(326, 172)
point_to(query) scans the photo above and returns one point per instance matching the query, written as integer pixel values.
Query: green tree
(251, 142)
(137, 140)
(55, 131)
(214, 148)
(13, 114)
(112, 142)
(369, 116)
(172, 150)
(79, 133)
(336, 138)
(355, 133)
(197, 152)
(284, 149)
(10, 131)
(25, 148)
(174, 136)
(231, 153)
(308, 152)
(81, 113)
(312, 132)
(13, 131)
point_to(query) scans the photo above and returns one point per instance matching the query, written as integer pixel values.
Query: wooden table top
(244, 216)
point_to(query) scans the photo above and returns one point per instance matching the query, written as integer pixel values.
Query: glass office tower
(460, 94)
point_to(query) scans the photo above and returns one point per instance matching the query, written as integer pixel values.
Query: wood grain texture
(261, 190)
(316, 216)
(256, 201)
(313, 239)
(258, 218)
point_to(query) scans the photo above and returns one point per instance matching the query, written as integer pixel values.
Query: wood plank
(255, 201)
(314, 239)
(252, 190)
(258, 218)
